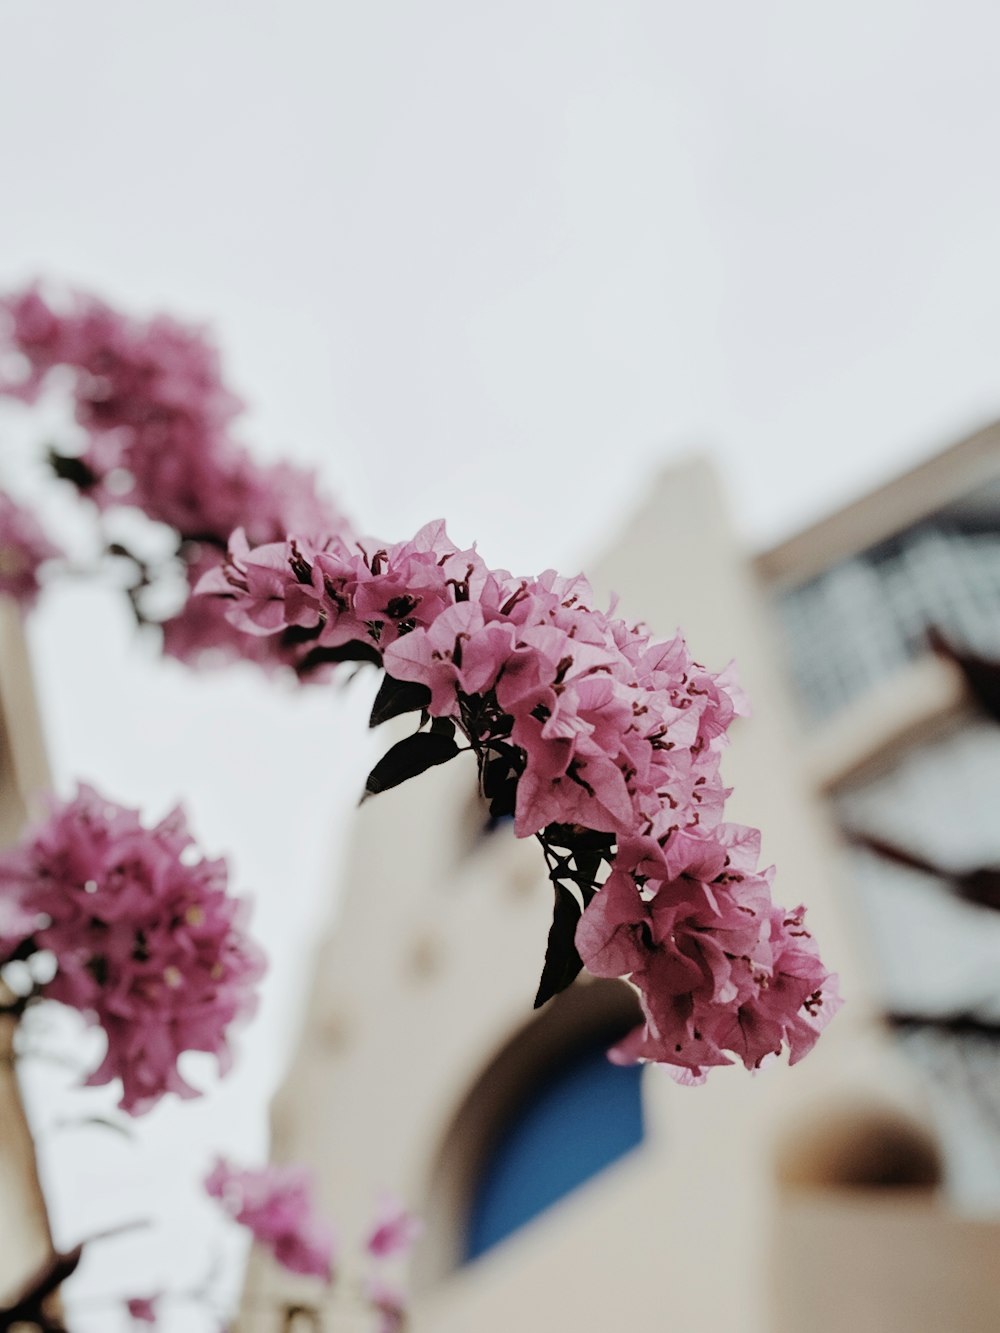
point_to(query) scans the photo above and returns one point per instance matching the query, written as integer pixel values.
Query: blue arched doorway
(571, 1122)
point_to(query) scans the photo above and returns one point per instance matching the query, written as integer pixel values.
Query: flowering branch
(146, 940)
(596, 738)
(158, 425)
(276, 1205)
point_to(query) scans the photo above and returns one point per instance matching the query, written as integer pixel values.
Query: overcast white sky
(495, 262)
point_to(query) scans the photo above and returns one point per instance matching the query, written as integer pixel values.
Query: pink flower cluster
(388, 1302)
(592, 727)
(393, 1235)
(24, 547)
(147, 941)
(158, 421)
(395, 1229)
(276, 1204)
(717, 965)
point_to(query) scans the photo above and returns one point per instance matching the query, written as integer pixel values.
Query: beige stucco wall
(432, 967)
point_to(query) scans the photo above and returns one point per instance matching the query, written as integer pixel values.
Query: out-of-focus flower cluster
(277, 1205)
(596, 737)
(158, 423)
(392, 1237)
(146, 940)
(718, 966)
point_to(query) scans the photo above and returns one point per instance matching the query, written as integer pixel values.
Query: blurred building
(858, 1191)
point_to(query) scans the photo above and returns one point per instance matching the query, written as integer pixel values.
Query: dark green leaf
(355, 651)
(396, 697)
(496, 774)
(562, 962)
(575, 837)
(500, 784)
(588, 864)
(71, 469)
(294, 635)
(100, 1121)
(409, 758)
(503, 806)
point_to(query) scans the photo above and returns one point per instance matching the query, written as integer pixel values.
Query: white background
(496, 262)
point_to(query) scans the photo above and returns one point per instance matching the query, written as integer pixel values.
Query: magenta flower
(24, 548)
(143, 1308)
(159, 424)
(395, 1229)
(718, 967)
(617, 732)
(147, 941)
(276, 1204)
(151, 397)
(37, 333)
(201, 635)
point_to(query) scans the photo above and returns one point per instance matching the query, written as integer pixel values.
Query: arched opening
(857, 1240)
(549, 1112)
(865, 1147)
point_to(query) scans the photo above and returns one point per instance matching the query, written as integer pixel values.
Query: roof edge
(897, 504)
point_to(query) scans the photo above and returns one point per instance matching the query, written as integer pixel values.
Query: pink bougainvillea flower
(159, 424)
(388, 1302)
(147, 941)
(395, 1229)
(158, 416)
(276, 1205)
(38, 336)
(796, 1004)
(24, 548)
(201, 635)
(618, 733)
(718, 968)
